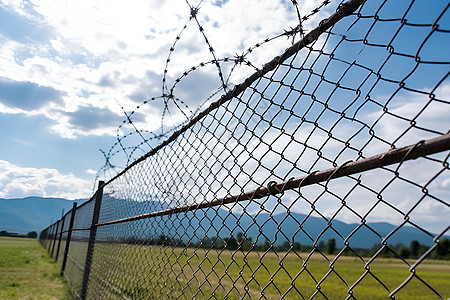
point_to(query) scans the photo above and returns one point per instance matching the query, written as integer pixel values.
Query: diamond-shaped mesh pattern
(76, 256)
(64, 235)
(323, 175)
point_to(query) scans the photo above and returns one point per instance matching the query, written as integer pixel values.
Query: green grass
(143, 272)
(155, 272)
(27, 272)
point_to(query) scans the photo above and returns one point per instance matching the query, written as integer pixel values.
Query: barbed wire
(305, 180)
(168, 96)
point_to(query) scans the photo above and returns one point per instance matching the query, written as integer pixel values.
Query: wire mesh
(323, 175)
(64, 235)
(76, 257)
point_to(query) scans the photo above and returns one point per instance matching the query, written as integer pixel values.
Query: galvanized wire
(349, 124)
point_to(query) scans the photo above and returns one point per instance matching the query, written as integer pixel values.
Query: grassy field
(152, 272)
(155, 272)
(26, 271)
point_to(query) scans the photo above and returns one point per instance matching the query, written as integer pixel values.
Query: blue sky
(67, 67)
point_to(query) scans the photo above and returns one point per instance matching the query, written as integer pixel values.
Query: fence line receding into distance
(323, 174)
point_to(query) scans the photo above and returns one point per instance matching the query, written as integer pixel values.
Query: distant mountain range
(305, 229)
(35, 213)
(31, 214)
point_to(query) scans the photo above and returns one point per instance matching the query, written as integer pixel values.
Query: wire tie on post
(283, 188)
(336, 170)
(408, 153)
(271, 187)
(304, 178)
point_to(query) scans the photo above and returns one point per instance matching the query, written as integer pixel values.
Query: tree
(3, 233)
(306, 248)
(240, 237)
(405, 253)
(219, 243)
(285, 246)
(321, 246)
(414, 248)
(331, 246)
(231, 243)
(443, 249)
(264, 246)
(206, 243)
(297, 246)
(247, 244)
(32, 234)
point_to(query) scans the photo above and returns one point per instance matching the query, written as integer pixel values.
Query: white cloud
(103, 50)
(105, 26)
(413, 106)
(18, 182)
(91, 172)
(91, 43)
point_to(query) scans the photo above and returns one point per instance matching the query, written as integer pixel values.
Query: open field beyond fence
(343, 138)
(204, 273)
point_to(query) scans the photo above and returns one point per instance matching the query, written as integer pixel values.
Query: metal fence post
(92, 236)
(54, 239)
(50, 232)
(60, 235)
(69, 237)
(43, 237)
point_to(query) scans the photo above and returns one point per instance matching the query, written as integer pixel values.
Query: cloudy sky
(68, 67)
(72, 71)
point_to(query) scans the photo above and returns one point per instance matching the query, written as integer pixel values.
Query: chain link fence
(324, 174)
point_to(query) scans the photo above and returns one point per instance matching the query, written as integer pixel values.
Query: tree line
(31, 234)
(243, 243)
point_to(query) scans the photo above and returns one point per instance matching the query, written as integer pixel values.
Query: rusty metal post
(69, 237)
(50, 232)
(60, 235)
(92, 236)
(55, 237)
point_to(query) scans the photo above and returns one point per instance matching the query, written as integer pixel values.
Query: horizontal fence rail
(323, 174)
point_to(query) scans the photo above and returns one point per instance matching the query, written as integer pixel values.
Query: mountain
(31, 213)
(35, 213)
(305, 229)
